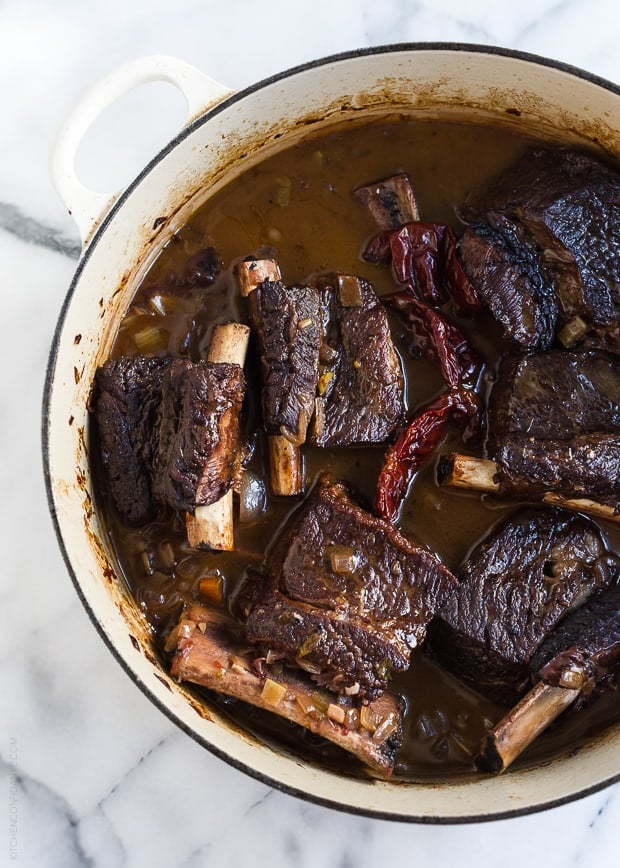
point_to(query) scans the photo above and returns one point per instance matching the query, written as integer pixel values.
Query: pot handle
(86, 206)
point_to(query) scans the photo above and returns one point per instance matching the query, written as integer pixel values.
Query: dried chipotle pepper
(416, 443)
(435, 337)
(424, 258)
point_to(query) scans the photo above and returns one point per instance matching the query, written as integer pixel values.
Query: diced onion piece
(350, 291)
(353, 689)
(324, 380)
(252, 497)
(150, 338)
(327, 354)
(272, 692)
(386, 728)
(572, 331)
(321, 703)
(282, 194)
(369, 719)
(212, 587)
(352, 718)
(343, 559)
(304, 323)
(306, 704)
(335, 712)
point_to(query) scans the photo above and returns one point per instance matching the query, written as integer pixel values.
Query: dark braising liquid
(299, 206)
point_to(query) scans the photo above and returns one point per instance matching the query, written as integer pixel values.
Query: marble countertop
(93, 774)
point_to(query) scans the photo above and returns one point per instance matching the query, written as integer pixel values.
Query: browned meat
(287, 324)
(553, 222)
(126, 396)
(197, 434)
(345, 596)
(513, 590)
(360, 386)
(554, 426)
(327, 355)
(209, 650)
(587, 642)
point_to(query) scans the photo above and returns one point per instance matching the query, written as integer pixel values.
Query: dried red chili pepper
(424, 257)
(416, 443)
(442, 342)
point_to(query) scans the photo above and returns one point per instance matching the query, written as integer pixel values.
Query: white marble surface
(92, 774)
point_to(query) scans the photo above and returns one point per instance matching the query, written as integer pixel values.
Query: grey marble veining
(91, 773)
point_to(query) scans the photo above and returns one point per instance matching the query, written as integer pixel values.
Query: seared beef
(513, 590)
(287, 323)
(587, 642)
(553, 221)
(210, 651)
(198, 433)
(554, 425)
(345, 595)
(327, 353)
(126, 396)
(360, 386)
(504, 270)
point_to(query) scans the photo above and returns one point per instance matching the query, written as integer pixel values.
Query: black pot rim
(456, 47)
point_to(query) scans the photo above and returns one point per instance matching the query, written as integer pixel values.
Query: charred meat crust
(553, 221)
(125, 400)
(345, 595)
(198, 433)
(331, 374)
(554, 426)
(513, 590)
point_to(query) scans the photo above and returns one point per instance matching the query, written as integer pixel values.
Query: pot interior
(505, 89)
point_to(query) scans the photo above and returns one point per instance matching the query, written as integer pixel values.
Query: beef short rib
(554, 426)
(209, 650)
(543, 246)
(331, 374)
(344, 596)
(360, 386)
(125, 400)
(197, 434)
(287, 324)
(513, 590)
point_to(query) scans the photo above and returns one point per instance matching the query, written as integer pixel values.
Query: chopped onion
(385, 729)
(212, 587)
(252, 497)
(272, 692)
(335, 712)
(343, 559)
(572, 331)
(369, 719)
(350, 291)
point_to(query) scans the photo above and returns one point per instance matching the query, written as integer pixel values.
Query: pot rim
(237, 96)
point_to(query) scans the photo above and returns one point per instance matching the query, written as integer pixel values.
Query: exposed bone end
(463, 471)
(212, 526)
(285, 467)
(391, 202)
(253, 272)
(229, 343)
(478, 474)
(523, 723)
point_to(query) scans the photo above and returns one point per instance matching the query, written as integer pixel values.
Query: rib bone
(209, 652)
(478, 474)
(522, 725)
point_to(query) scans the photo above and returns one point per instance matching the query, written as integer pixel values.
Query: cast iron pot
(226, 133)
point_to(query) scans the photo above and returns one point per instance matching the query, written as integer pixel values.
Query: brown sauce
(299, 204)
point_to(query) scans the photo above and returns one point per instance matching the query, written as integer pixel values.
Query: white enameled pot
(226, 132)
